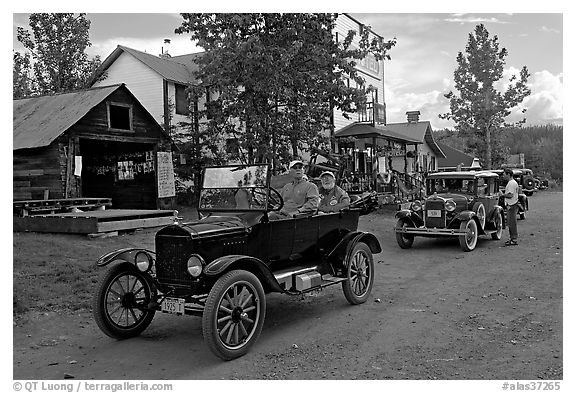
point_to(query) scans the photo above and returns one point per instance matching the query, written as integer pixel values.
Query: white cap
(327, 173)
(292, 163)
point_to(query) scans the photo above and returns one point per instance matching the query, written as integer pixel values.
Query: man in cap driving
(300, 196)
(332, 197)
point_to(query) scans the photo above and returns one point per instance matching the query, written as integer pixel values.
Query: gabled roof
(454, 157)
(362, 130)
(38, 121)
(179, 69)
(420, 131)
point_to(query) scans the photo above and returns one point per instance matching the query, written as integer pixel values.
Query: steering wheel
(275, 201)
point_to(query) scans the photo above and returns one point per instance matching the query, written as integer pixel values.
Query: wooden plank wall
(35, 171)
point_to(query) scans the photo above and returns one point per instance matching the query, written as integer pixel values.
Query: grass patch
(57, 272)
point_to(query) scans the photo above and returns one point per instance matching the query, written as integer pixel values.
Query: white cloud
(545, 103)
(474, 19)
(179, 45)
(549, 30)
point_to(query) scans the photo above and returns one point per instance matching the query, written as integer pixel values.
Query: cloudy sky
(423, 61)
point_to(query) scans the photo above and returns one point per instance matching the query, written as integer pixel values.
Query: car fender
(470, 215)
(224, 264)
(496, 211)
(124, 254)
(344, 248)
(409, 215)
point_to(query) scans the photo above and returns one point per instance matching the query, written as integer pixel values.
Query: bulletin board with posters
(165, 175)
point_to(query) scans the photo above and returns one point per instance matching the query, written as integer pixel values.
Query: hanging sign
(166, 186)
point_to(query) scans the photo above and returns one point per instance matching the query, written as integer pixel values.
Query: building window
(181, 100)
(119, 116)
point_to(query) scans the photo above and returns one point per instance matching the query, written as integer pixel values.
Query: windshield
(465, 186)
(234, 188)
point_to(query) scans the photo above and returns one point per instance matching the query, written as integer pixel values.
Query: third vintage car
(459, 204)
(221, 266)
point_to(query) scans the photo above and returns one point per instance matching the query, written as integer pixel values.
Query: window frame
(176, 106)
(130, 116)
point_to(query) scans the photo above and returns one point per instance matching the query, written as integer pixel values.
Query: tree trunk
(488, 147)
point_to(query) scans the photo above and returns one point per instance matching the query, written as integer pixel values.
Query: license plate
(173, 305)
(434, 213)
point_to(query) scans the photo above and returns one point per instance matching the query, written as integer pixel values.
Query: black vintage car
(459, 204)
(221, 266)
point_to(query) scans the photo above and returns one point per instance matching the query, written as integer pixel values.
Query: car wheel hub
(128, 300)
(237, 314)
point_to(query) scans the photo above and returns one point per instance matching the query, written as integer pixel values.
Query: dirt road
(435, 312)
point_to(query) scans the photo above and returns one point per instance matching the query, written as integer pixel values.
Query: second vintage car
(221, 266)
(459, 204)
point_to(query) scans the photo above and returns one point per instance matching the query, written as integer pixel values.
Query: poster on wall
(166, 186)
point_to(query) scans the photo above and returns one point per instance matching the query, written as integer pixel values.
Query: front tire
(121, 302)
(404, 240)
(234, 314)
(360, 274)
(470, 238)
(498, 224)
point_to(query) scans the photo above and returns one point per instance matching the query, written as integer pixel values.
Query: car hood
(208, 226)
(460, 200)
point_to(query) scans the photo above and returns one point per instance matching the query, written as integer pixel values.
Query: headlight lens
(416, 206)
(143, 261)
(450, 205)
(195, 264)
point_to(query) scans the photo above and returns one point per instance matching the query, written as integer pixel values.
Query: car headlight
(450, 205)
(143, 261)
(195, 265)
(416, 206)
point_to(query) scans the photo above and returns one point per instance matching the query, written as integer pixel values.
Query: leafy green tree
(57, 45)
(277, 78)
(480, 110)
(21, 76)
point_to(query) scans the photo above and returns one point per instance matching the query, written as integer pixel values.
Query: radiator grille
(435, 222)
(171, 260)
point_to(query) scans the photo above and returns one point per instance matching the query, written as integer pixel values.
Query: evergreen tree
(480, 110)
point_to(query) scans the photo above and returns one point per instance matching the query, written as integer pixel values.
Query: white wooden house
(159, 82)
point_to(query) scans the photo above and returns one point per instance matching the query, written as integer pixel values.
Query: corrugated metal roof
(420, 131)
(38, 121)
(179, 69)
(361, 130)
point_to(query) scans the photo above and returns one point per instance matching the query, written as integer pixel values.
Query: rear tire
(360, 274)
(404, 240)
(478, 208)
(470, 238)
(498, 224)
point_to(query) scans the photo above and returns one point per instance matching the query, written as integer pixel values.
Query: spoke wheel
(121, 301)
(360, 274)
(498, 224)
(404, 240)
(234, 314)
(470, 238)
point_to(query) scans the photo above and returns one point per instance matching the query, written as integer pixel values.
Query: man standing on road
(300, 196)
(511, 199)
(333, 198)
